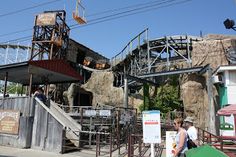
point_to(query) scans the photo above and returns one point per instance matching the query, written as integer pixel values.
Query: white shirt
(192, 133)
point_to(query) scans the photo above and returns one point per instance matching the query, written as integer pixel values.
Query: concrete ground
(16, 152)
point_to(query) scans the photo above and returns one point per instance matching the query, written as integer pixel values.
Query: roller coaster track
(142, 56)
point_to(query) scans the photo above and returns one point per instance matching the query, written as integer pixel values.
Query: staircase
(72, 127)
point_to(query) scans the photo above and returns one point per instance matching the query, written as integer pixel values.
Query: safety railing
(227, 144)
(136, 42)
(136, 147)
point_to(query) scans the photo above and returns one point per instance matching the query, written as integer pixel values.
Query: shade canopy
(43, 72)
(228, 110)
(205, 151)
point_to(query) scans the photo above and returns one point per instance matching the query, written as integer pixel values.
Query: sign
(9, 121)
(90, 113)
(46, 19)
(151, 127)
(105, 113)
(170, 143)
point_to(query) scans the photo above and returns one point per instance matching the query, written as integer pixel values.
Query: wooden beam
(30, 84)
(5, 85)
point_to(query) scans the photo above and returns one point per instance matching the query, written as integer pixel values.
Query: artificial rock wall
(212, 50)
(101, 85)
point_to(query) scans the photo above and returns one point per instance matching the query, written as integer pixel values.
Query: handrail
(219, 141)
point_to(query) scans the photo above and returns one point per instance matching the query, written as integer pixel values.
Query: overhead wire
(28, 8)
(111, 17)
(145, 10)
(128, 11)
(90, 15)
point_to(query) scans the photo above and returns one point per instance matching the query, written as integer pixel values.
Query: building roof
(227, 111)
(44, 71)
(223, 68)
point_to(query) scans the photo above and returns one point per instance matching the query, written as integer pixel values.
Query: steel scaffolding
(142, 56)
(50, 36)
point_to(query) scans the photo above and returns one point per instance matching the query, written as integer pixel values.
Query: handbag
(190, 143)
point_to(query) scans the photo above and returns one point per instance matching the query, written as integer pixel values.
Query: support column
(125, 92)
(30, 84)
(211, 106)
(5, 85)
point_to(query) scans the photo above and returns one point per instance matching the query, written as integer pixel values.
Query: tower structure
(50, 36)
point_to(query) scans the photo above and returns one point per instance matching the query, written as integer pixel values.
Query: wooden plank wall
(47, 132)
(26, 107)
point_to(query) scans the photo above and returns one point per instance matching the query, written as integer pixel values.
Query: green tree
(166, 97)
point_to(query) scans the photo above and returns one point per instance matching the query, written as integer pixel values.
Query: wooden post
(211, 108)
(125, 92)
(5, 85)
(22, 88)
(30, 84)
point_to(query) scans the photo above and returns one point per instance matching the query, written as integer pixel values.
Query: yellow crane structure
(79, 13)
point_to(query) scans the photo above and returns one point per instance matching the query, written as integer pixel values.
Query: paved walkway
(16, 152)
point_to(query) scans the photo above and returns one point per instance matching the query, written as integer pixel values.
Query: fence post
(131, 145)
(97, 145)
(210, 138)
(63, 141)
(111, 144)
(221, 144)
(129, 153)
(203, 136)
(139, 145)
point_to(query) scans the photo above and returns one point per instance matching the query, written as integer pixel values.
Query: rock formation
(213, 51)
(101, 85)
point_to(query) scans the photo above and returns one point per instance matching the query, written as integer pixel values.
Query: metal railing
(226, 144)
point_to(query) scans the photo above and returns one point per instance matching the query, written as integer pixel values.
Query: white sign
(105, 113)
(151, 127)
(170, 143)
(90, 112)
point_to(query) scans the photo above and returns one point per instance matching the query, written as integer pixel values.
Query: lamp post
(229, 24)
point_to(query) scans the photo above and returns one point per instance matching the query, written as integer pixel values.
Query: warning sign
(151, 127)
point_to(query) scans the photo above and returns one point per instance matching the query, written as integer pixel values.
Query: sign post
(151, 128)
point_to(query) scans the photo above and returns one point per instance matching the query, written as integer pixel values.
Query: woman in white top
(181, 138)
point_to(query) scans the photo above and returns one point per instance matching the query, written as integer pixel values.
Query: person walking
(191, 130)
(181, 138)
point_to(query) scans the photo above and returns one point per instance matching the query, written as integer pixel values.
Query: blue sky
(109, 38)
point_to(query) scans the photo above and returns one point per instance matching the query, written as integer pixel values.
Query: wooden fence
(25, 105)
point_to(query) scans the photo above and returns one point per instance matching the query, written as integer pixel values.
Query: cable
(106, 18)
(91, 15)
(32, 7)
(124, 12)
(94, 14)
(122, 8)
(138, 12)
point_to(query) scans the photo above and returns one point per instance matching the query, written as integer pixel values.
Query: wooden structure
(25, 105)
(50, 36)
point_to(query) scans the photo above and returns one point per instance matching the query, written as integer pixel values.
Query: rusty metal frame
(50, 41)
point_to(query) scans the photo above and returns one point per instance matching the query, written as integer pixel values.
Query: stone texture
(101, 85)
(193, 93)
(211, 51)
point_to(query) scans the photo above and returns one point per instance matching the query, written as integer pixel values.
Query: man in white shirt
(191, 130)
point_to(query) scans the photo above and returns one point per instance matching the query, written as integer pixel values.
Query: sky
(162, 17)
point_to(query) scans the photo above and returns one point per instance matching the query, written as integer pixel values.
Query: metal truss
(50, 36)
(11, 53)
(142, 56)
